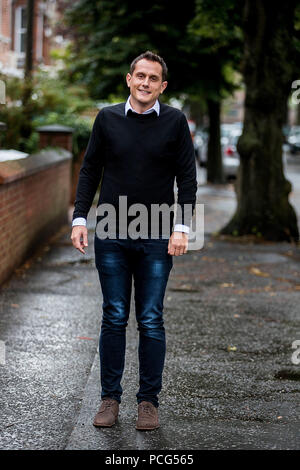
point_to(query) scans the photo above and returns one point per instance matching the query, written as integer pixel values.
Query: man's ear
(128, 78)
(163, 86)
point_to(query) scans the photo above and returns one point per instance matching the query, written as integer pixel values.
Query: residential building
(13, 34)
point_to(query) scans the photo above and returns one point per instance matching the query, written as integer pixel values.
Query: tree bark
(263, 207)
(197, 111)
(29, 39)
(214, 153)
(26, 128)
(298, 115)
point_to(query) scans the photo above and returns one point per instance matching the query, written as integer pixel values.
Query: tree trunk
(29, 39)
(214, 153)
(26, 128)
(197, 111)
(262, 190)
(298, 115)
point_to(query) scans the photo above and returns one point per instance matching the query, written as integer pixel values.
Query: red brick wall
(31, 208)
(4, 30)
(5, 26)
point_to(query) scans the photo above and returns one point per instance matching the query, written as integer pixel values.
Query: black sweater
(138, 156)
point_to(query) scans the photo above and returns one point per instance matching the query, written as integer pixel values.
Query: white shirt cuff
(79, 221)
(177, 227)
(181, 228)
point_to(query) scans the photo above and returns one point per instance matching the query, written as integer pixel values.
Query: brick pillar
(55, 135)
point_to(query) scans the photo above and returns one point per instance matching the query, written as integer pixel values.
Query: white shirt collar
(155, 107)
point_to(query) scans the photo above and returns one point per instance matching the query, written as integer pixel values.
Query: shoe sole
(105, 425)
(142, 428)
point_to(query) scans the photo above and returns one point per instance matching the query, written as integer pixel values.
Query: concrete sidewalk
(231, 316)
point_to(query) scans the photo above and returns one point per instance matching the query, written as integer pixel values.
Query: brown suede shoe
(147, 417)
(107, 414)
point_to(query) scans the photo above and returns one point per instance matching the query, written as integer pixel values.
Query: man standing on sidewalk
(136, 150)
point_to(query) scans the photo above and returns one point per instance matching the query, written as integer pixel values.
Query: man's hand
(178, 243)
(79, 237)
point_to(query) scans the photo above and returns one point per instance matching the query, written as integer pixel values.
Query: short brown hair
(154, 58)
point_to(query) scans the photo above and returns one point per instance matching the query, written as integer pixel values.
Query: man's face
(145, 83)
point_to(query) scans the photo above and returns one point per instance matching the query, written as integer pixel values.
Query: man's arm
(187, 186)
(89, 179)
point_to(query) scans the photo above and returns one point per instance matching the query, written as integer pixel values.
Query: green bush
(52, 101)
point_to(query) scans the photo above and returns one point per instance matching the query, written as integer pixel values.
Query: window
(20, 29)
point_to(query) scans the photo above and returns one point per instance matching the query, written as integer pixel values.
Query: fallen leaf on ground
(258, 272)
(268, 288)
(186, 286)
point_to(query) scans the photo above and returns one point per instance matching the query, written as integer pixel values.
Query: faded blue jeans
(148, 264)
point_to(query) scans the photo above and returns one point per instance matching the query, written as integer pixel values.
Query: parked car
(231, 158)
(229, 147)
(229, 136)
(293, 140)
(200, 146)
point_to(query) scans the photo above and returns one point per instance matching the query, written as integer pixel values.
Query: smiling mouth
(145, 92)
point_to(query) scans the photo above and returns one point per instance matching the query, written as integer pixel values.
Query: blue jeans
(148, 264)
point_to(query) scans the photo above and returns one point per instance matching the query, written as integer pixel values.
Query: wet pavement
(231, 316)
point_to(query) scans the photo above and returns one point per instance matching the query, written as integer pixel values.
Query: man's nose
(146, 81)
